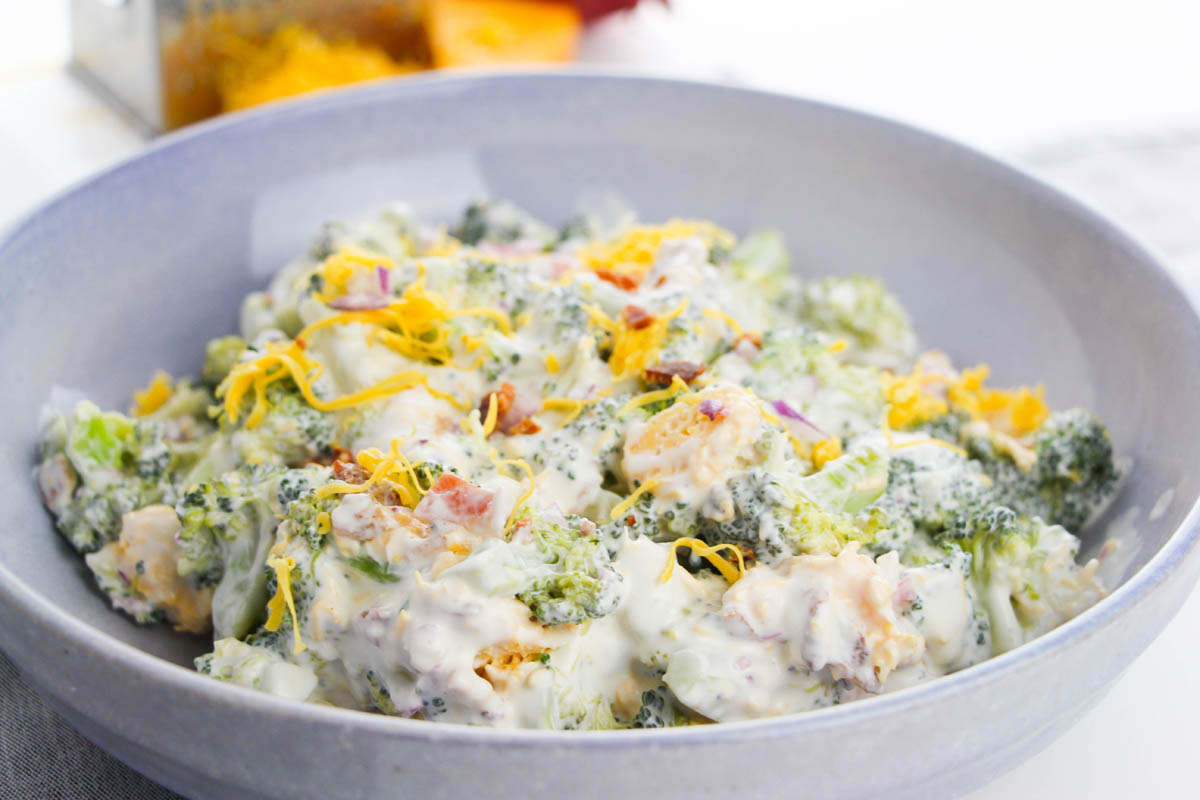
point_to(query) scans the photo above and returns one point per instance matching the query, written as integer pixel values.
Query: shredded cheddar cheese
(283, 598)
(1016, 412)
(626, 504)
(678, 387)
(154, 396)
(294, 60)
(631, 254)
(528, 493)
(489, 424)
(825, 451)
(634, 349)
(711, 552)
(393, 467)
(341, 267)
(909, 403)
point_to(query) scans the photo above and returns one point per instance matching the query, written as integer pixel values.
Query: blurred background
(1100, 98)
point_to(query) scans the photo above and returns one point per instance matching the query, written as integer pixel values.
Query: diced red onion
(385, 281)
(712, 408)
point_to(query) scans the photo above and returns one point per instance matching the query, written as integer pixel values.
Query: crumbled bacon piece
(348, 471)
(513, 413)
(665, 371)
(451, 498)
(618, 279)
(637, 317)
(525, 426)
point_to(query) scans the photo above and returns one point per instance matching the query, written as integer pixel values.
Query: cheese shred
(712, 553)
(283, 599)
(628, 502)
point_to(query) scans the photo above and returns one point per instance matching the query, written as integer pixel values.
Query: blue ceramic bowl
(134, 268)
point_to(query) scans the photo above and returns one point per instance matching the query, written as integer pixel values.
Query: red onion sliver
(788, 412)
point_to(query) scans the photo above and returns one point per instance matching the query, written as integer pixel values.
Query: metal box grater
(156, 60)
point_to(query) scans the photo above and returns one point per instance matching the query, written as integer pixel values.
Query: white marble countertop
(1100, 98)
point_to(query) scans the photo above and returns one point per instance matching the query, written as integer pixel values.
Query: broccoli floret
(97, 466)
(291, 432)
(1073, 477)
(862, 311)
(643, 519)
(257, 668)
(500, 221)
(777, 514)
(1023, 569)
(107, 447)
(220, 356)
(572, 577)
(1025, 573)
(228, 527)
(308, 516)
(657, 711)
(940, 492)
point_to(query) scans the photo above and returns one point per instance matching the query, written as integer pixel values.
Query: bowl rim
(44, 614)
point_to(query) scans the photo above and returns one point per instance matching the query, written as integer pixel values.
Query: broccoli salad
(602, 476)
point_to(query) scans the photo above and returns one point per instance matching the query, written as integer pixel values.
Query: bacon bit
(663, 373)
(631, 520)
(662, 279)
(525, 426)
(454, 499)
(620, 280)
(348, 471)
(513, 414)
(637, 317)
(713, 409)
(587, 528)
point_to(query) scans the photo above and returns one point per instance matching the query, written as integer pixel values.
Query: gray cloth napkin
(1149, 184)
(43, 758)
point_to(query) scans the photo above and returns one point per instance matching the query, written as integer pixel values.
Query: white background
(1013, 78)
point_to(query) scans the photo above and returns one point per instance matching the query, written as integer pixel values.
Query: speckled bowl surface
(135, 268)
